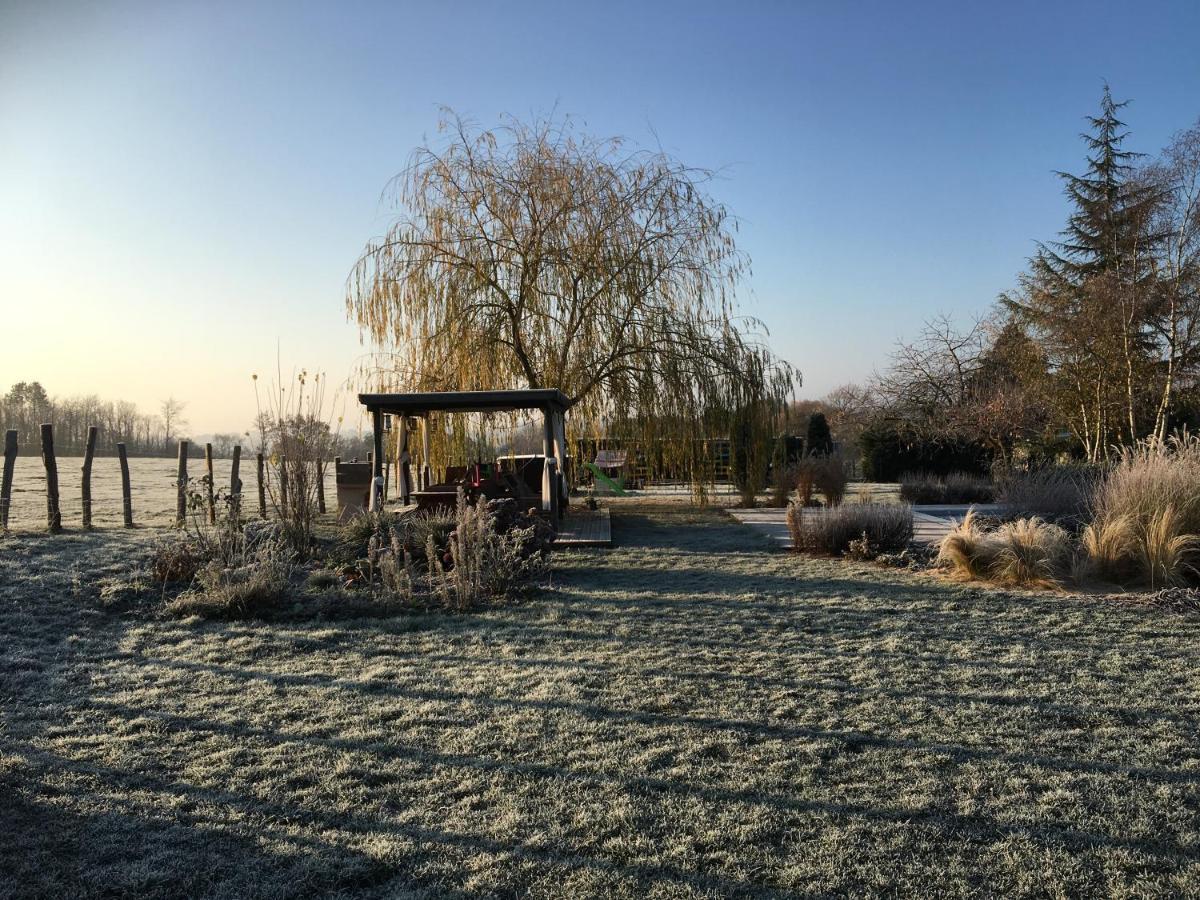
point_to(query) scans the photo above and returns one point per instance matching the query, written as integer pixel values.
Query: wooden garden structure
(552, 403)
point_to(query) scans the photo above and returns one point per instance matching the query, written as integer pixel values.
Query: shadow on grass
(205, 855)
(958, 752)
(780, 657)
(980, 828)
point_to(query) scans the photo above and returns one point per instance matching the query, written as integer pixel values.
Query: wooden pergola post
(404, 468)
(560, 454)
(550, 470)
(376, 500)
(426, 478)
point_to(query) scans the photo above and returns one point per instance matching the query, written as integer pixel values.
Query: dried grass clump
(784, 480)
(1028, 552)
(830, 479)
(812, 474)
(1031, 552)
(176, 558)
(865, 527)
(1109, 550)
(255, 587)
(1146, 515)
(484, 553)
(953, 487)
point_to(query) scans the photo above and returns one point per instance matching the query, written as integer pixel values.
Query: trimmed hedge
(887, 453)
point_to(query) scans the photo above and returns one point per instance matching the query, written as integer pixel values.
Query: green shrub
(953, 487)
(878, 526)
(888, 452)
(419, 531)
(819, 439)
(181, 555)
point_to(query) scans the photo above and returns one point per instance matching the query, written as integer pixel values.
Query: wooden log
(86, 485)
(126, 494)
(262, 488)
(235, 484)
(53, 510)
(212, 503)
(10, 461)
(181, 479)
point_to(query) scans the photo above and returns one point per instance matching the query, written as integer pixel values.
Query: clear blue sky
(184, 184)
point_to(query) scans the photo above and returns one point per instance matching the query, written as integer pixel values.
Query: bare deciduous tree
(1178, 324)
(978, 383)
(172, 418)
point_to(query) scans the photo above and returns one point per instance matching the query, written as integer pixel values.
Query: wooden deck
(585, 528)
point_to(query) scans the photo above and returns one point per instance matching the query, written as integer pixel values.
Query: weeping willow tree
(531, 255)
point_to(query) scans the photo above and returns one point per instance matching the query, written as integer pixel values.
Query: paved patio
(930, 523)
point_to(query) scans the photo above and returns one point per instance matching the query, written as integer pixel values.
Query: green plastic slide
(617, 486)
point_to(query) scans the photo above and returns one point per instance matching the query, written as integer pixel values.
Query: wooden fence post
(181, 479)
(321, 486)
(235, 483)
(85, 487)
(262, 489)
(283, 488)
(208, 465)
(126, 494)
(10, 460)
(53, 510)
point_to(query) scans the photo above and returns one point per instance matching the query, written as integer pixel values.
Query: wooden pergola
(552, 402)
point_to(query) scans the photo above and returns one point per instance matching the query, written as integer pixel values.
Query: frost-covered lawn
(683, 715)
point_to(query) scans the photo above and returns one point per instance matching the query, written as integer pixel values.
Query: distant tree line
(1097, 347)
(27, 405)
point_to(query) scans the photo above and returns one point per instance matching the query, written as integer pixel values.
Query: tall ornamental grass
(1145, 515)
(1028, 552)
(1138, 524)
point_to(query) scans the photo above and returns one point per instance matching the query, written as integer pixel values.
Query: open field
(152, 484)
(686, 714)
